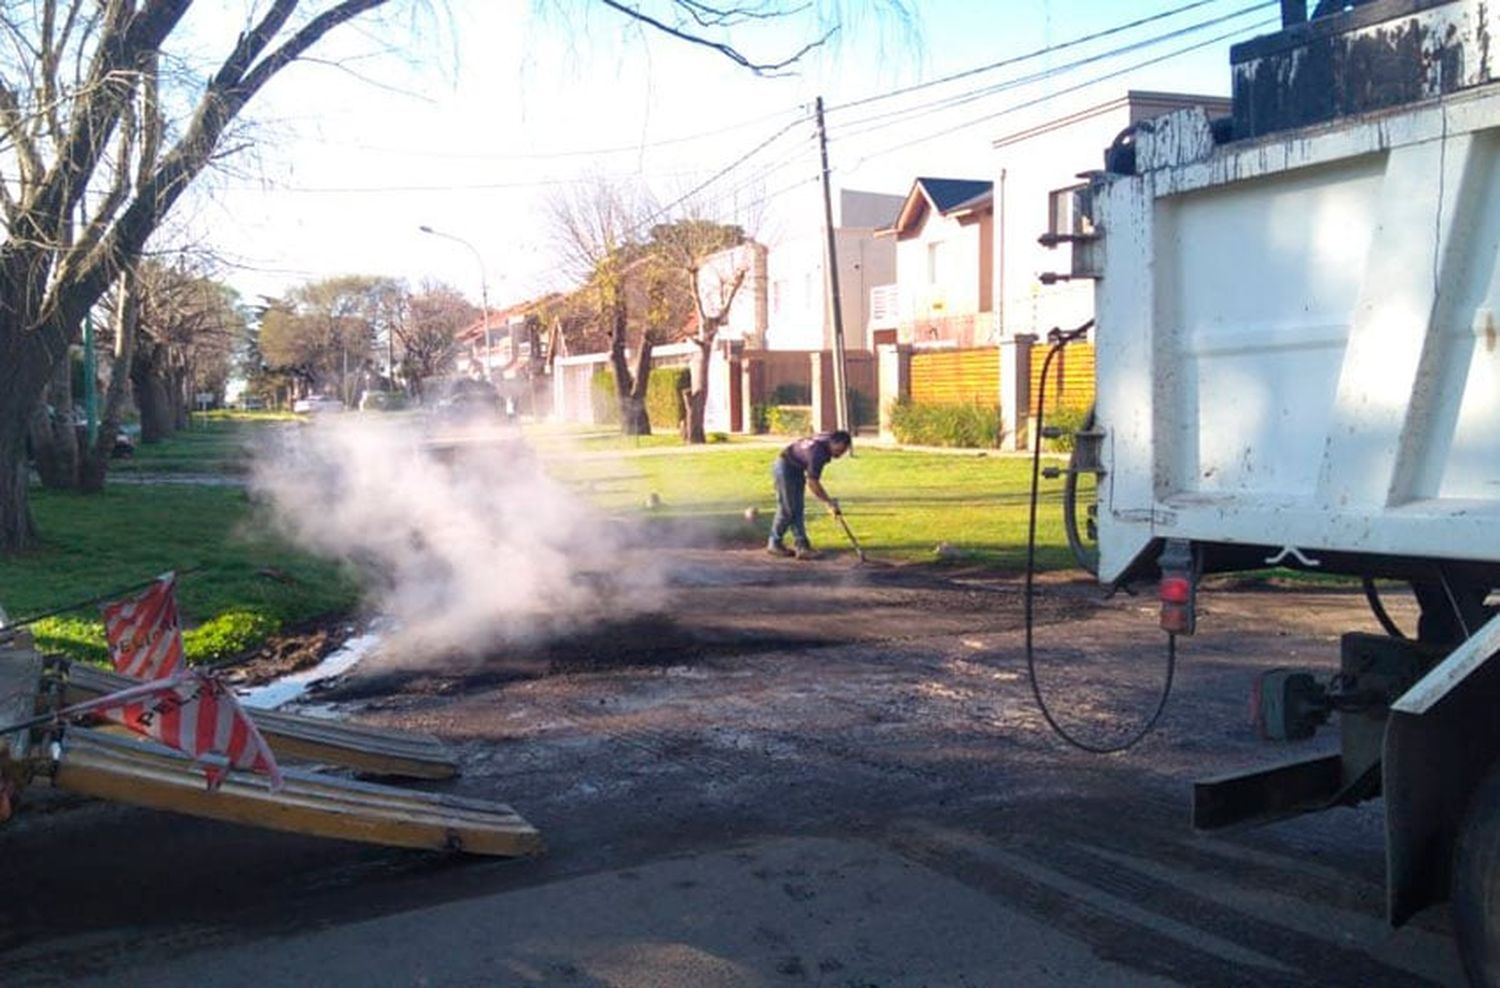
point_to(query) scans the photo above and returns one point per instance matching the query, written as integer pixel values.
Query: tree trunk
(697, 398)
(54, 437)
(17, 530)
(630, 389)
(95, 466)
(151, 398)
(638, 421)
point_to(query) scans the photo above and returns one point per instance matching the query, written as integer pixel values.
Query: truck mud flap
(364, 749)
(106, 766)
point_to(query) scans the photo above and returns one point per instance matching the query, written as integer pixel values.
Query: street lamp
(484, 290)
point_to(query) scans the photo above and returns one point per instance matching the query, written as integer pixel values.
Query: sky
(471, 116)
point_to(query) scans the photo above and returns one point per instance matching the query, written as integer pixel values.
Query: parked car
(382, 401)
(315, 404)
(469, 400)
(124, 447)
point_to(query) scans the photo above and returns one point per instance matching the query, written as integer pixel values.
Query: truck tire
(1475, 892)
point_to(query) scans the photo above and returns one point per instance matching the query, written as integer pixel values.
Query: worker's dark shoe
(777, 549)
(807, 552)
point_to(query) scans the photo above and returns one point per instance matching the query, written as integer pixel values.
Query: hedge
(971, 426)
(664, 397)
(602, 394)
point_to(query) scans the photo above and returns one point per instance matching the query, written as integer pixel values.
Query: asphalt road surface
(791, 774)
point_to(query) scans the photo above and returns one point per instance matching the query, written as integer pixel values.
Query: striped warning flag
(195, 713)
(144, 635)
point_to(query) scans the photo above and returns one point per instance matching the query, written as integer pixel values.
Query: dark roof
(948, 194)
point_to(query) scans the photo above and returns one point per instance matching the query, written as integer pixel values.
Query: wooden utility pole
(831, 262)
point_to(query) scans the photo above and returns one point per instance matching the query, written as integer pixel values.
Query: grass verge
(901, 505)
(244, 584)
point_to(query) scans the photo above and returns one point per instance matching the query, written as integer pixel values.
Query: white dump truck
(1298, 360)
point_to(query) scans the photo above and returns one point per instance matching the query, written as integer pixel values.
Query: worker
(800, 467)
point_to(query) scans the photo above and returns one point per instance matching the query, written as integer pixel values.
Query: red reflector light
(1176, 590)
(1178, 620)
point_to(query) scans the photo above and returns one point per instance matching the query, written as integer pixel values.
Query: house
(944, 237)
(797, 316)
(968, 261)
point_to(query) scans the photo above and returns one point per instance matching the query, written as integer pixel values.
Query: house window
(937, 262)
(778, 288)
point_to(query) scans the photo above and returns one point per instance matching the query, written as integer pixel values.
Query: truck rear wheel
(1476, 885)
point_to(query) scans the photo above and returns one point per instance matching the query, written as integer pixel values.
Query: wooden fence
(956, 377)
(1070, 380)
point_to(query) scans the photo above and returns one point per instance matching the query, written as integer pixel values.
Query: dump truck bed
(1299, 337)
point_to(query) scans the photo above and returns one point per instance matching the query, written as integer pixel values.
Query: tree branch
(727, 50)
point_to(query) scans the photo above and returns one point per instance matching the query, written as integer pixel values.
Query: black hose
(1377, 607)
(1060, 340)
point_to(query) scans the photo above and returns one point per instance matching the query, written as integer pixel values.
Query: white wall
(796, 318)
(955, 292)
(1034, 162)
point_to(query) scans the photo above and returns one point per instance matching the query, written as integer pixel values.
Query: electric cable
(1026, 57)
(1061, 340)
(960, 99)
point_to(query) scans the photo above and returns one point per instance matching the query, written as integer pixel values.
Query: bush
(760, 418)
(227, 635)
(664, 397)
(602, 394)
(971, 426)
(789, 420)
(1070, 420)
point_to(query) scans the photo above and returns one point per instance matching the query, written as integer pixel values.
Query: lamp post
(484, 290)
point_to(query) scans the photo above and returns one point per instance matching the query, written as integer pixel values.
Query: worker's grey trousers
(791, 500)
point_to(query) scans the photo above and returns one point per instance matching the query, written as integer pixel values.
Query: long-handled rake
(852, 540)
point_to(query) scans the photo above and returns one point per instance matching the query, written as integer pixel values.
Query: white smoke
(469, 544)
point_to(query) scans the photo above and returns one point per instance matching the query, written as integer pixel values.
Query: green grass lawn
(245, 584)
(216, 443)
(900, 504)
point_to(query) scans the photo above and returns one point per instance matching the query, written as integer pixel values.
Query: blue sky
(468, 121)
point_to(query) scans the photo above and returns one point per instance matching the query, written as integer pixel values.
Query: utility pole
(831, 262)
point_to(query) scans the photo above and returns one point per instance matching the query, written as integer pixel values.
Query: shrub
(717, 437)
(789, 420)
(664, 389)
(972, 426)
(1069, 420)
(760, 418)
(602, 394)
(227, 635)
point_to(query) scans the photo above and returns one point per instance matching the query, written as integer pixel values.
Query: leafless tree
(714, 260)
(85, 179)
(428, 334)
(598, 230)
(82, 188)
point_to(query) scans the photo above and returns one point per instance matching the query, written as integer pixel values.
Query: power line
(666, 210)
(1063, 92)
(961, 99)
(575, 153)
(1028, 56)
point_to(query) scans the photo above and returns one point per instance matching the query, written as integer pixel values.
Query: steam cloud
(471, 545)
